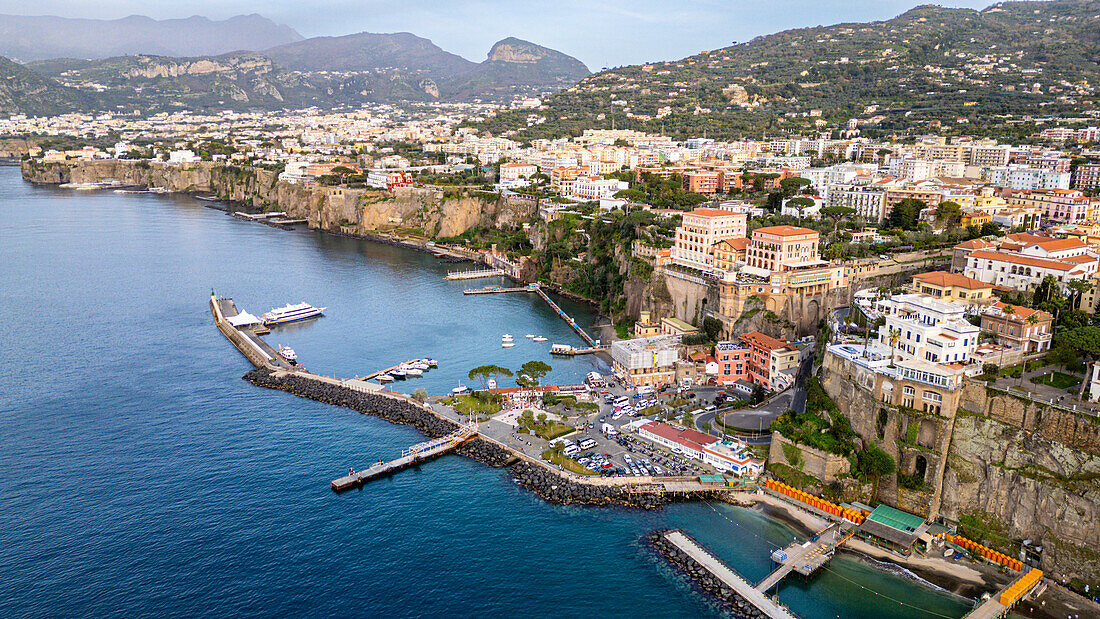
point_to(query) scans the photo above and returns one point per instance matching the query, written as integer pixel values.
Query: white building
(183, 156)
(813, 211)
(1025, 177)
(594, 187)
(1023, 272)
(646, 360)
(928, 329)
(724, 456)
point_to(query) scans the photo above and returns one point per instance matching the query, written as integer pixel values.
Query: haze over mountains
(251, 62)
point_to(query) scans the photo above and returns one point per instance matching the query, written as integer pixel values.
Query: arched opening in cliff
(920, 467)
(880, 423)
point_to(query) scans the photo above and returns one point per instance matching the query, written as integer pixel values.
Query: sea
(140, 476)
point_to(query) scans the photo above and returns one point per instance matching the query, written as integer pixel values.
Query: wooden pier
(417, 453)
(806, 558)
(475, 274)
(572, 352)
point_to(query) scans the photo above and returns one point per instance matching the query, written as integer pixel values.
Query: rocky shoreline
(547, 484)
(702, 579)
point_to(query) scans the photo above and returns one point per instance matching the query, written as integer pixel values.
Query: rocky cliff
(430, 212)
(1004, 466)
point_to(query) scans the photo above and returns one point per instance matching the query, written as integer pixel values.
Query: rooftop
(785, 231)
(713, 212)
(1056, 265)
(955, 280)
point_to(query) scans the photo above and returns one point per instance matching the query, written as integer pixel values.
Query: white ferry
(291, 313)
(288, 353)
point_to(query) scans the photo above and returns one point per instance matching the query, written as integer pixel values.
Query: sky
(603, 33)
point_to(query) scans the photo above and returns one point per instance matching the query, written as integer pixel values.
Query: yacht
(291, 313)
(414, 372)
(506, 337)
(539, 339)
(420, 365)
(288, 353)
(431, 362)
(460, 389)
(507, 344)
(398, 373)
(530, 336)
(385, 378)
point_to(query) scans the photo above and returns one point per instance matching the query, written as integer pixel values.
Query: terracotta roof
(1027, 237)
(1082, 259)
(713, 212)
(766, 341)
(974, 244)
(786, 231)
(1060, 244)
(1021, 313)
(1057, 265)
(739, 243)
(679, 435)
(943, 278)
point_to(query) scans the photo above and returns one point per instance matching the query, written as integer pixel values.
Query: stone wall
(823, 465)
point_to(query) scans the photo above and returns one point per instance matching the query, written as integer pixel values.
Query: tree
(1085, 341)
(836, 213)
(531, 372)
(801, 204)
(420, 395)
(793, 185)
(894, 337)
(1078, 287)
(874, 462)
(905, 214)
(712, 327)
(1045, 291)
(948, 213)
(484, 373)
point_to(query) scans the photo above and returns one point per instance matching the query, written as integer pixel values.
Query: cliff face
(1020, 469)
(336, 209)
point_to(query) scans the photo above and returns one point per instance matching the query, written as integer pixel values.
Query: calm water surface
(143, 477)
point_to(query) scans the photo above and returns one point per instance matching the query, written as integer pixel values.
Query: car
(627, 458)
(691, 396)
(710, 408)
(616, 416)
(658, 470)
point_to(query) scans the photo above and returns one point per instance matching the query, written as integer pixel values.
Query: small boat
(288, 353)
(398, 373)
(540, 339)
(291, 313)
(414, 372)
(948, 552)
(420, 365)
(530, 336)
(385, 378)
(507, 344)
(506, 337)
(460, 389)
(431, 362)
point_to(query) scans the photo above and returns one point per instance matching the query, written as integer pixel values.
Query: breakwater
(728, 599)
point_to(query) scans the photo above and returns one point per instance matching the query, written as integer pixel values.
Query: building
(1058, 205)
(893, 529)
(1022, 177)
(562, 178)
(733, 359)
(725, 456)
(775, 249)
(729, 254)
(962, 251)
(700, 230)
(926, 329)
(644, 327)
(769, 359)
(953, 287)
(813, 210)
(1086, 177)
(594, 187)
(702, 181)
(516, 171)
(869, 201)
(1022, 272)
(1024, 328)
(646, 361)
(677, 327)
(388, 179)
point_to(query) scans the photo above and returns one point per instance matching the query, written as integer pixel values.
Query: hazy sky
(605, 33)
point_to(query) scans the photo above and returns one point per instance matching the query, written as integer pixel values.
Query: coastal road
(762, 416)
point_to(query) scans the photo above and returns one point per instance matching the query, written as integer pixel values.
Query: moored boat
(397, 373)
(432, 362)
(540, 339)
(385, 378)
(507, 344)
(288, 353)
(291, 313)
(414, 372)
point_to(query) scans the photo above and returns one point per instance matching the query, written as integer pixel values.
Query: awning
(243, 319)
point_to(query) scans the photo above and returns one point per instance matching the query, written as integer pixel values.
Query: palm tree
(894, 337)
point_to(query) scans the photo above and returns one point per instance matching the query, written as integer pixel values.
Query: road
(761, 417)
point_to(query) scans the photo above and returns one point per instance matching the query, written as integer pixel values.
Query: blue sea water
(142, 477)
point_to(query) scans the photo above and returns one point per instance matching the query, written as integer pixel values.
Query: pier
(475, 274)
(390, 369)
(728, 577)
(498, 290)
(566, 317)
(806, 558)
(246, 338)
(999, 605)
(417, 453)
(572, 352)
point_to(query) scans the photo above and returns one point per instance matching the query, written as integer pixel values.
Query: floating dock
(389, 369)
(417, 453)
(567, 318)
(499, 290)
(806, 558)
(572, 352)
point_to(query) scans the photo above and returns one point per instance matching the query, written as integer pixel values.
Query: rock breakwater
(727, 598)
(558, 489)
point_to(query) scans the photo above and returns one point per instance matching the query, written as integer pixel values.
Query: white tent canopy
(244, 319)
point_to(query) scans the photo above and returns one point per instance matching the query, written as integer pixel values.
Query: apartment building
(775, 249)
(594, 187)
(702, 181)
(1060, 205)
(700, 230)
(1086, 177)
(1023, 328)
(927, 329)
(1022, 177)
(1022, 272)
(646, 361)
(768, 359)
(729, 254)
(516, 171)
(563, 178)
(869, 201)
(953, 287)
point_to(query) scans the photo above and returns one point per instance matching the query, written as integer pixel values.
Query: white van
(571, 450)
(621, 401)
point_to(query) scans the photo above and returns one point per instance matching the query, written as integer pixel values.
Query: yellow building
(645, 327)
(953, 287)
(975, 218)
(675, 326)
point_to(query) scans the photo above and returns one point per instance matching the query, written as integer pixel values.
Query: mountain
(514, 65)
(960, 67)
(23, 91)
(368, 51)
(29, 38)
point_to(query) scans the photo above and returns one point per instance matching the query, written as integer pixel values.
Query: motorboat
(540, 339)
(506, 337)
(291, 313)
(414, 372)
(431, 362)
(398, 373)
(530, 336)
(288, 353)
(385, 378)
(507, 344)
(460, 389)
(420, 365)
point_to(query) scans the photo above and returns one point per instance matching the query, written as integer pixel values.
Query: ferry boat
(530, 336)
(291, 313)
(540, 339)
(288, 353)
